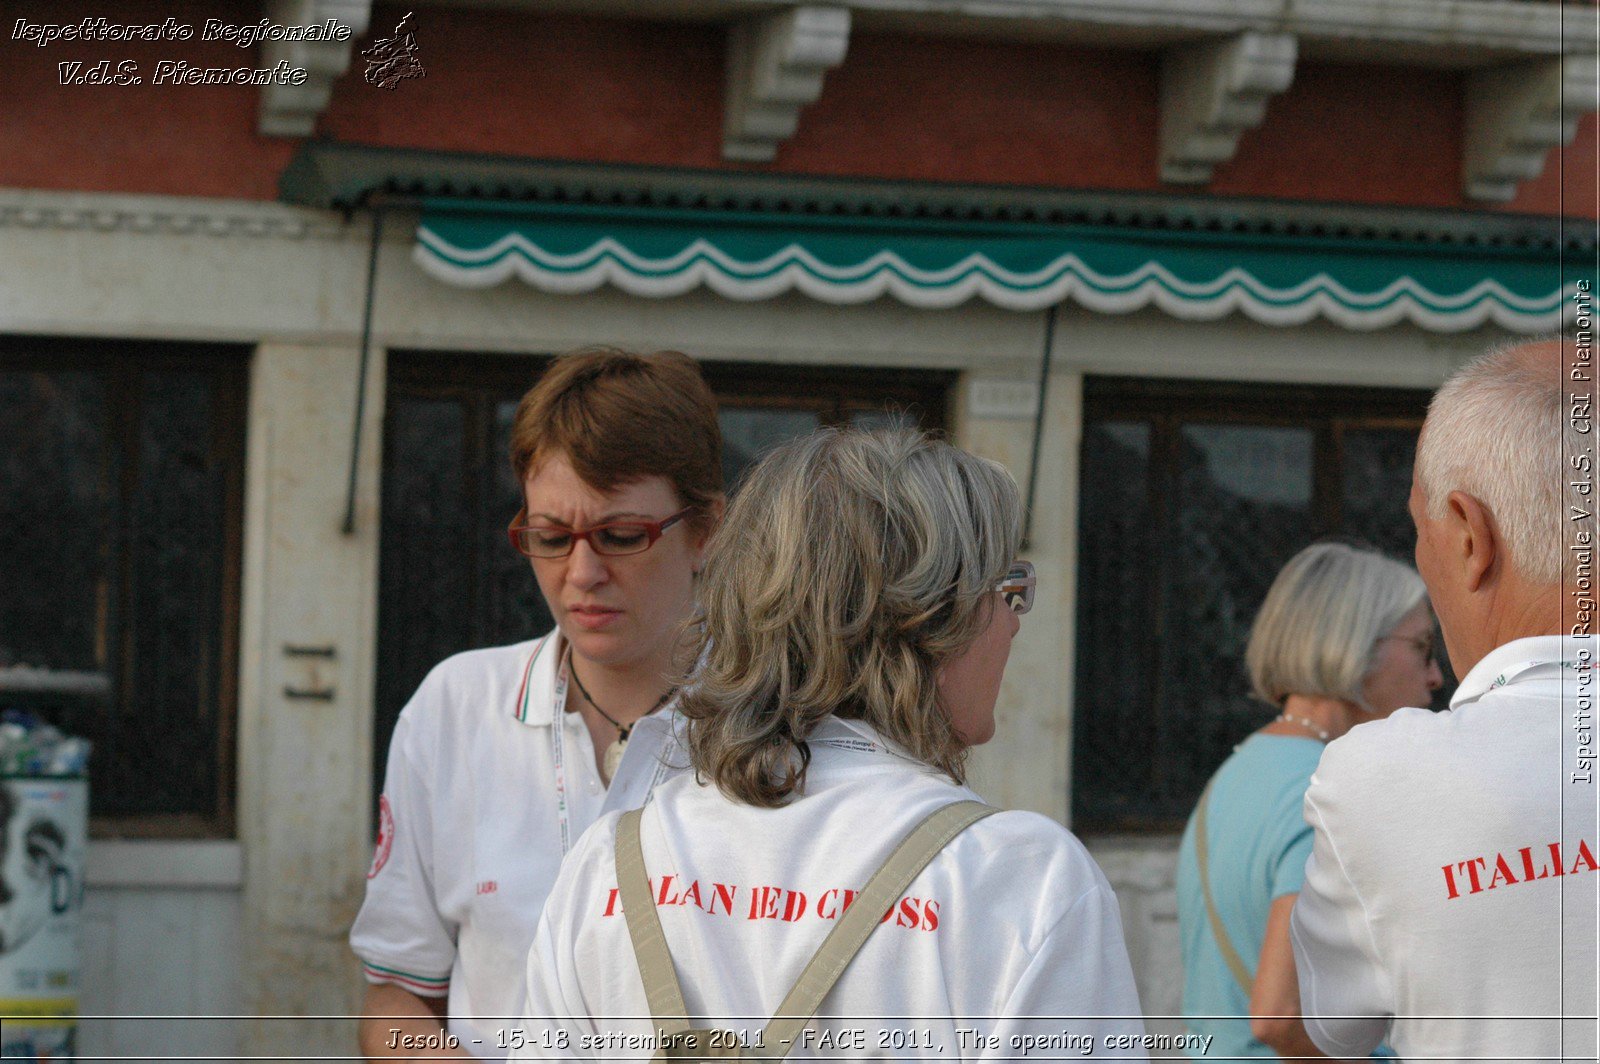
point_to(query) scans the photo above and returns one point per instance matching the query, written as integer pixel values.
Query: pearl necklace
(1320, 733)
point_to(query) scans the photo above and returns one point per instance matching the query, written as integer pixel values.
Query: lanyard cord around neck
(1509, 675)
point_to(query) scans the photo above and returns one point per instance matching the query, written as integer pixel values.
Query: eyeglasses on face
(610, 540)
(1018, 587)
(1423, 643)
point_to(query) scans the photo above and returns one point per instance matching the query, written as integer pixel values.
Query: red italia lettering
(794, 906)
(1584, 860)
(611, 902)
(662, 897)
(724, 893)
(764, 903)
(780, 903)
(1501, 871)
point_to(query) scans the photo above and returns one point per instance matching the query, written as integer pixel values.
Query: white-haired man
(1450, 899)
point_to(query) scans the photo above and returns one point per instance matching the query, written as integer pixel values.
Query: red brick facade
(577, 87)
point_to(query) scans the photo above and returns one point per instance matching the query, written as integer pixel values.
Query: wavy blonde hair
(851, 566)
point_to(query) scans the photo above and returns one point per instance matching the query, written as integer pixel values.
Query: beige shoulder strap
(866, 913)
(661, 987)
(849, 934)
(1236, 965)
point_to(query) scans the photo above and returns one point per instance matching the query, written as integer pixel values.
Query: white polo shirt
(489, 783)
(1453, 872)
(1011, 931)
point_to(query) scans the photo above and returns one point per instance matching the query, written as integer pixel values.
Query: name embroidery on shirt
(775, 903)
(1478, 874)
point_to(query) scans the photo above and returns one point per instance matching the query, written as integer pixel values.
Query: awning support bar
(1038, 424)
(349, 526)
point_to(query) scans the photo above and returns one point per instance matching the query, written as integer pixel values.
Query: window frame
(1166, 406)
(122, 363)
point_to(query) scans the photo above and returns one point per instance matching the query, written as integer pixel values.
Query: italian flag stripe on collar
(527, 674)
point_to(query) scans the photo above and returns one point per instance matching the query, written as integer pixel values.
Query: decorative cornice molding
(1211, 93)
(1447, 33)
(1515, 114)
(292, 110)
(164, 216)
(1442, 26)
(775, 68)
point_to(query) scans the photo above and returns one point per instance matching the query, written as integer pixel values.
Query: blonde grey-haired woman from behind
(1345, 636)
(857, 609)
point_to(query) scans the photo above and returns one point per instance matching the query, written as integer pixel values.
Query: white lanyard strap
(1509, 675)
(558, 724)
(854, 744)
(558, 748)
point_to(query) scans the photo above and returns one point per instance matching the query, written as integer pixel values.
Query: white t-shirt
(1010, 931)
(489, 783)
(1433, 887)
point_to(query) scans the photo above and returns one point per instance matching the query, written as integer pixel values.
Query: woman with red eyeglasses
(504, 756)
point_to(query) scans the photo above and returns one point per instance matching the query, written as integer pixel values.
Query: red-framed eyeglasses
(612, 539)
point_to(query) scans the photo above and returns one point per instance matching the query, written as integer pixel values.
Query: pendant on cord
(614, 752)
(613, 756)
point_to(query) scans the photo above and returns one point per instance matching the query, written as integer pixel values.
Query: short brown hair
(619, 417)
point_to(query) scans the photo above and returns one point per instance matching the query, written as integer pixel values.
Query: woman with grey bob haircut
(1344, 636)
(1323, 623)
(824, 864)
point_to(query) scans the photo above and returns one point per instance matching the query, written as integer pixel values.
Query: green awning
(1272, 278)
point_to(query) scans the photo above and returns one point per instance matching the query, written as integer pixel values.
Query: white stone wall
(1142, 872)
(305, 764)
(162, 936)
(150, 953)
(290, 282)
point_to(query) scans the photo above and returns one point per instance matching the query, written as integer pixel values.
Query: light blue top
(1258, 844)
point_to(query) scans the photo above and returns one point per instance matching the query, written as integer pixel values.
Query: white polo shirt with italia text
(1450, 898)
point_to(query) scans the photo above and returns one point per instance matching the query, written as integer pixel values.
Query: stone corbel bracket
(1515, 114)
(292, 110)
(1211, 93)
(775, 68)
